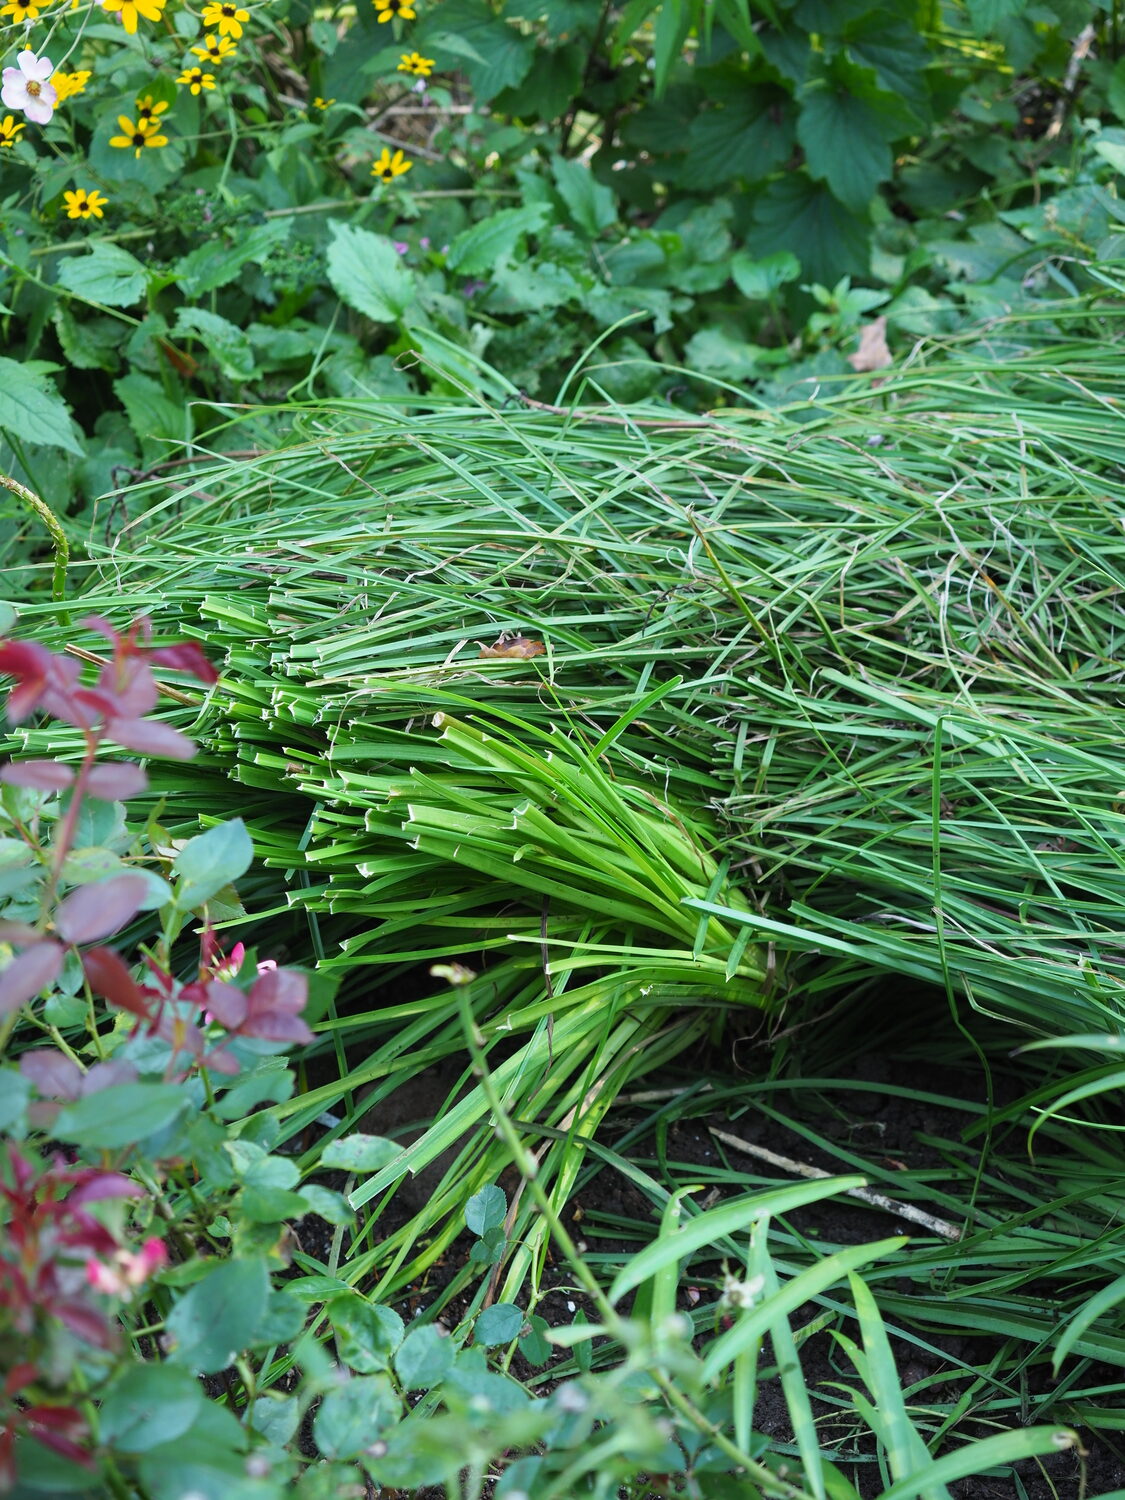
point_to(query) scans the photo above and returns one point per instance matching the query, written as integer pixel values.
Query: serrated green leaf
(227, 344)
(32, 409)
(105, 274)
(592, 205)
(486, 244)
(794, 212)
(760, 279)
(845, 128)
(216, 263)
(748, 138)
(367, 273)
(154, 416)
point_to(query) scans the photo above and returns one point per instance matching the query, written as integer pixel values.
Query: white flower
(26, 87)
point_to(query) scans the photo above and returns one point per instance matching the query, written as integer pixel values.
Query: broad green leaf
(760, 279)
(210, 861)
(468, 30)
(486, 1210)
(493, 240)
(367, 1333)
(121, 1115)
(794, 212)
(845, 127)
(424, 1358)
(155, 418)
(355, 1414)
(105, 274)
(592, 205)
(216, 263)
(32, 409)
(498, 1324)
(367, 273)
(747, 138)
(986, 15)
(330, 1206)
(217, 1318)
(1115, 90)
(228, 345)
(359, 1153)
(148, 1404)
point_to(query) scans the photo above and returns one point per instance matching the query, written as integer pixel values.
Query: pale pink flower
(27, 87)
(127, 1271)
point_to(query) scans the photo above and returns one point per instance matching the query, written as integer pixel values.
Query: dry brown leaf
(873, 353)
(513, 646)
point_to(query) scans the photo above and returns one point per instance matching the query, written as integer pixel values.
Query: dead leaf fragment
(513, 646)
(873, 353)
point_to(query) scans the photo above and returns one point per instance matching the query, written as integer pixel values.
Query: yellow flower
(21, 10)
(129, 10)
(388, 167)
(319, 103)
(10, 127)
(215, 49)
(225, 17)
(414, 62)
(137, 137)
(196, 79)
(149, 111)
(389, 8)
(82, 204)
(66, 85)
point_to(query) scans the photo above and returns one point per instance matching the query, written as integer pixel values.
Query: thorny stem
(70, 820)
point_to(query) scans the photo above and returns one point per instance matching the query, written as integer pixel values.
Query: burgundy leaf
(64, 1420)
(150, 737)
(279, 990)
(101, 626)
(277, 1026)
(30, 664)
(227, 1004)
(104, 1075)
(109, 977)
(186, 656)
(94, 911)
(84, 1322)
(221, 1061)
(31, 972)
(19, 934)
(54, 1075)
(116, 783)
(104, 1185)
(129, 686)
(59, 693)
(40, 775)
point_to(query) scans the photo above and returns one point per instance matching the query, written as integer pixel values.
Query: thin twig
(1079, 53)
(940, 1227)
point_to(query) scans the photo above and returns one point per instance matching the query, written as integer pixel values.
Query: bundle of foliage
(215, 205)
(134, 1097)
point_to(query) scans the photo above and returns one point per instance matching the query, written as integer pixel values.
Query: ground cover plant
(202, 206)
(643, 733)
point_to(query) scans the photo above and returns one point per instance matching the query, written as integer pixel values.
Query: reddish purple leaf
(30, 664)
(279, 989)
(150, 737)
(40, 775)
(186, 657)
(104, 1185)
(34, 969)
(227, 1004)
(221, 1061)
(116, 783)
(129, 687)
(104, 1075)
(84, 1322)
(54, 1075)
(94, 911)
(276, 1026)
(110, 978)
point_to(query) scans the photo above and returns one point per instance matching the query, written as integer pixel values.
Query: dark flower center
(139, 138)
